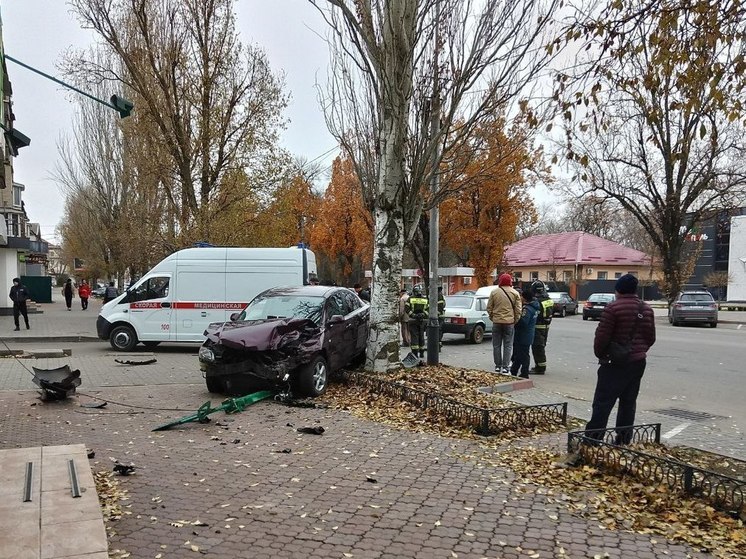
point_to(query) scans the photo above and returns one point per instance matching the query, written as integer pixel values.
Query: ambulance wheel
(313, 378)
(123, 338)
(151, 345)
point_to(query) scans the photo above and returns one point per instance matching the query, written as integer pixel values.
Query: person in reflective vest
(441, 315)
(541, 333)
(417, 307)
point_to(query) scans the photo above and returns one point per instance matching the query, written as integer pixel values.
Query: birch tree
(395, 65)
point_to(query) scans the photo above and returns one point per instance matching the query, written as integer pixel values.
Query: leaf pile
(457, 384)
(717, 463)
(626, 503)
(452, 382)
(109, 495)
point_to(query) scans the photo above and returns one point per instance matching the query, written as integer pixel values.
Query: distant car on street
(596, 304)
(98, 291)
(563, 303)
(467, 315)
(694, 306)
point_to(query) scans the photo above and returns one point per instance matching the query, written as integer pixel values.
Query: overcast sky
(38, 32)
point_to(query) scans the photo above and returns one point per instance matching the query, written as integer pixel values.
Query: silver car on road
(467, 315)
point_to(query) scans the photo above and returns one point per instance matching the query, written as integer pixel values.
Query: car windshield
(696, 297)
(284, 306)
(556, 296)
(600, 297)
(459, 302)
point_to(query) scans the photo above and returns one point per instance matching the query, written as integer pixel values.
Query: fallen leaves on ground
(616, 503)
(717, 463)
(110, 495)
(625, 502)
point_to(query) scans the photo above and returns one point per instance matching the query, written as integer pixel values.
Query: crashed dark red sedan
(286, 336)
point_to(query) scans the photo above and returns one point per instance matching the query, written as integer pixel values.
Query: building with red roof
(574, 257)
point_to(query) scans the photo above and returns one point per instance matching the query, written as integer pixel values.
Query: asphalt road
(694, 368)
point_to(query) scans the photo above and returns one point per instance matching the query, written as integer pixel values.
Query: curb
(503, 387)
(36, 354)
(49, 339)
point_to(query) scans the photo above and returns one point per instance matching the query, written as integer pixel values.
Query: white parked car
(467, 315)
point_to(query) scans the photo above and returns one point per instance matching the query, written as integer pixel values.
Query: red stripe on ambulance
(209, 305)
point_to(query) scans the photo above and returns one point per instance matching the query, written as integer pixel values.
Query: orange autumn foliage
(344, 228)
(480, 219)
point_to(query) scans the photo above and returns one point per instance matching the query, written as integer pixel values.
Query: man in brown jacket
(504, 307)
(628, 321)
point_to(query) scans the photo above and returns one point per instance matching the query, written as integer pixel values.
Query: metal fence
(722, 491)
(484, 421)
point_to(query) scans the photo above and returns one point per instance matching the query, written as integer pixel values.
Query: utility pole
(433, 326)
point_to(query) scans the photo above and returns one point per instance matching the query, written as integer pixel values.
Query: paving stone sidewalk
(252, 498)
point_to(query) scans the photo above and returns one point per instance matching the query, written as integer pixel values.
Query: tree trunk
(383, 340)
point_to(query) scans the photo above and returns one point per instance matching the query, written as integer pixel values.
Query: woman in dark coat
(68, 292)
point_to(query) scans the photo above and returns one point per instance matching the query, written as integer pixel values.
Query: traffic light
(123, 107)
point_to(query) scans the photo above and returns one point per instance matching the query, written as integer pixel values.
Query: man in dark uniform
(19, 295)
(441, 314)
(541, 332)
(417, 308)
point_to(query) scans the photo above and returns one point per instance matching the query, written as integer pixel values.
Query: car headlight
(206, 354)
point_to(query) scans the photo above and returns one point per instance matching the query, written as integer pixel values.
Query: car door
(359, 318)
(150, 308)
(339, 335)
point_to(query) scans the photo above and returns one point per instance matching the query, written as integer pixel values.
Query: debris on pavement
(56, 384)
(127, 362)
(411, 360)
(311, 430)
(124, 469)
(95, 405)
(232, 405)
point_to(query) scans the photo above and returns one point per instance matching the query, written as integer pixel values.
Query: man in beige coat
(504, 307)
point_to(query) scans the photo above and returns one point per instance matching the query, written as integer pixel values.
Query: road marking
(675, 431)
(739, 326)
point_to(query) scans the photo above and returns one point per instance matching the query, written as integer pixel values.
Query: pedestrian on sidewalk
(111, 293)
(524, 334)
(84, 292)
(19, 295)
(504, 309)
(627, 322)
(68, 291)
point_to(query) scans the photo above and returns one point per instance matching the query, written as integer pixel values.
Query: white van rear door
(150, 308)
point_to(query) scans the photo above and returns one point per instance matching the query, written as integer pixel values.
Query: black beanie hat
(626, 284)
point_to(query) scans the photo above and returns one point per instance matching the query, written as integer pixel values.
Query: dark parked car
(286, 335)
(596, 304)
(563, 303)
(694, 306)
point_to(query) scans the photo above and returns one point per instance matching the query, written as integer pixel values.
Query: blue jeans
(502, 344)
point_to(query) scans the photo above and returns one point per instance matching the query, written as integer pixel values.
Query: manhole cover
(687, 414)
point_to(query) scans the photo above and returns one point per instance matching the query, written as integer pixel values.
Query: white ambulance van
(186, 291)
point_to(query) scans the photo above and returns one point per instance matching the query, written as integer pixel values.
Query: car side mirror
(336, 319)
(234, 316)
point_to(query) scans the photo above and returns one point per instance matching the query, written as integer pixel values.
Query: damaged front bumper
(272, 366)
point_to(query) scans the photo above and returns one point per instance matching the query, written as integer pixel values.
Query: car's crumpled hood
(260, 335)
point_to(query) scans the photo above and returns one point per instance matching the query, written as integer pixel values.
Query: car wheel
(151, 345)
(563, 312)
(477, 334)
(713, 324)
(215, 385)
(313, 378)
(123, 338)
(585, 316)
